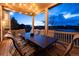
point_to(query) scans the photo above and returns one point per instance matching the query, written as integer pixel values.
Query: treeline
(15, 25)
(58, 27)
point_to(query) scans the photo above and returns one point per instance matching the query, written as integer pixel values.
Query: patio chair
(67, 48)
(22, 50)
(70, 46)
(25, 48)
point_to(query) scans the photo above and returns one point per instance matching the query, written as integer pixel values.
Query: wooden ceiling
(28, 8)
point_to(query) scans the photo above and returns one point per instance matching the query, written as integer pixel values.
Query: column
(46, 21)
(32, 24)
(9, 22)
(1, 29)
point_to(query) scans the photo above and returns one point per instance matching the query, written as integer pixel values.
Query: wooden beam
(1, 28)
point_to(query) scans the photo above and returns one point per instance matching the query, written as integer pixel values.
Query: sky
(61, 15)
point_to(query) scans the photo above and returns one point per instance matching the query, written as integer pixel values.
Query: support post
(9, 22)
(32, 24)
(46, 21)
(1, 27)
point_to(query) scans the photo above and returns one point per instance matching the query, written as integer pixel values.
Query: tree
(21, 26)
(14, 23)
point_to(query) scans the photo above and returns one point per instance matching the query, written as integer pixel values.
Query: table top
(40, 40)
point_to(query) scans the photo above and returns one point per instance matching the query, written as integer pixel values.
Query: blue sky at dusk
(61, 15)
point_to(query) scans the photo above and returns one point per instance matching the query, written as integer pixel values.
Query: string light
(6, 3)
(13, 3)
(26, 13)
(24, 4)
(20, 4)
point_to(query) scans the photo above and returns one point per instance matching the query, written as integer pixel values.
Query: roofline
(54, 5)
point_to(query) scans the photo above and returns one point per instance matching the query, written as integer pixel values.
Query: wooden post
(1, 28)
(9, 22)
(46, 21)
(32, 24)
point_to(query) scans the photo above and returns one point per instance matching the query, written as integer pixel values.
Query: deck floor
(55, 50)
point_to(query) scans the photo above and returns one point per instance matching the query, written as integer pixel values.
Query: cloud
(69, 15)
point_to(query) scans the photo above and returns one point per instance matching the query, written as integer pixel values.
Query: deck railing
(64, 36)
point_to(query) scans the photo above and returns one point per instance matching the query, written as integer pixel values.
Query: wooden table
(40, 40)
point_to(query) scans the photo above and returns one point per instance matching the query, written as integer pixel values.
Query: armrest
(62, 50)
(67, 48)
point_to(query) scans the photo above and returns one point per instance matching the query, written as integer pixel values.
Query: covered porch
(33, 9)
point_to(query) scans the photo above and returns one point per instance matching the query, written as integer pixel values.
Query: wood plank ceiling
(28, 8)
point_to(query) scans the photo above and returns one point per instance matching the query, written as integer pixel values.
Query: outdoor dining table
(40, 40)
